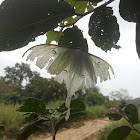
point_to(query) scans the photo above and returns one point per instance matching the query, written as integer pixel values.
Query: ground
(87, 132)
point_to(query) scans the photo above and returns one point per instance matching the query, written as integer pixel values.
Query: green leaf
(62, 108)
(53, 35)
(30, 116)
(132, 113)
(73, 37)
(114, 116)
(90, 6)
(138, 39)
(33, 105)
(104, 29)
(119, 133)
(133, 135)
(129, 10)
(69, 20)
(30, 129)
(95, 1)
(79, 7)
(71, 117)
(75, 104)
(43, 127)
(29, 19)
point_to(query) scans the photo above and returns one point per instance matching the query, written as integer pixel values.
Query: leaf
(79, 7)
(95, 1)
(33, 105)
(132, 113)
(37, 126)
(133, 135)
(30, 116)
(29, 19)
(129, 10)
(90, 6)
(73, 37)
(53, 35)
(119, 133)
(71, 117)
(138, 39)
(75, 104)
(43, 127)
(68, 20)
(104, 29)
(114, 116)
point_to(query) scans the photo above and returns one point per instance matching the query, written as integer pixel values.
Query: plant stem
(86, 13)
(130, 123)
(53, 131)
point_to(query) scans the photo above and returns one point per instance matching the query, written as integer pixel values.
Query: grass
(13, 120)
(95, 111)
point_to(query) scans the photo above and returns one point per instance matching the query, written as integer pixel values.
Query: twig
(86, 13)
(130, 123)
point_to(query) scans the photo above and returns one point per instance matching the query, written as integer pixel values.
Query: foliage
(73, 37)
(38, 117)
(93, 112)
(45, 89)
(103, 26)
(38, 18)
(120, 98)
(12, 98)
(135, 101)
(121, 94)
(5, 89)
(92, 98)
(20, 82)
(46, 16)
(11, 119)
(18, 74)
(129, 131)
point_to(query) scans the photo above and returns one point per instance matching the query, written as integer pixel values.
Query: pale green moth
(71, 65)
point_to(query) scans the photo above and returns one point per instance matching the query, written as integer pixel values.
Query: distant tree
(82, 93)
(21, 81)
(121, 94)
(94, 98)
(120, 97)
(45, 89)
(12, 98)
(5, 89)
(18, 74)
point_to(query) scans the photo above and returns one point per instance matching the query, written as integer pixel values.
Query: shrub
(92, 98)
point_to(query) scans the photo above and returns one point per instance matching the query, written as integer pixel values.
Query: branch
(130, 123)
(86, 13)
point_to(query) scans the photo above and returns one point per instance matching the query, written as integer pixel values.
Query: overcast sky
(124, 61)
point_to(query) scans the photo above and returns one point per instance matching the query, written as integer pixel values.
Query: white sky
(124, 61)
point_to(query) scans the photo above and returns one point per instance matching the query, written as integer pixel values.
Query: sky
(124, 61)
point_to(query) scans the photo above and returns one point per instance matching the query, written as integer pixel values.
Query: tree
(20, 82)
(45, 89)
(5, 89)
(121, 94)
(120, 97)
(19, 74)
(93, 98)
